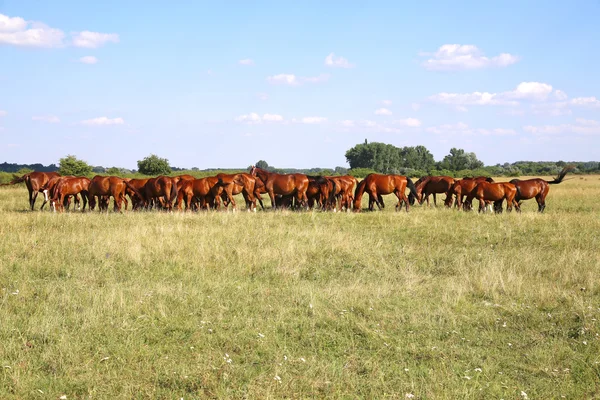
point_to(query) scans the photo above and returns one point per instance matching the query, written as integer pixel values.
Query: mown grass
(434, 303)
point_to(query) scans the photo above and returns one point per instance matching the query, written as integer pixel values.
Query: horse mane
(562, 174)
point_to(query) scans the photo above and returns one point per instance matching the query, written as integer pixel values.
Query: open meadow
(433, 303)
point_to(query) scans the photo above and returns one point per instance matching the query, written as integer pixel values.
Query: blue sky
(224, 85)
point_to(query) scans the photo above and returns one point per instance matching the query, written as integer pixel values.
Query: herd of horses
(295, 191)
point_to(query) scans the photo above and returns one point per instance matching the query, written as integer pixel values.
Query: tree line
(364, 158)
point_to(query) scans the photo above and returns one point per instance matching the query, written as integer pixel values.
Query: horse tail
(360, 189)
(173, 192)
(412, 196)
(16, 179)
(562, 174)
(518, 187)
(331, 199)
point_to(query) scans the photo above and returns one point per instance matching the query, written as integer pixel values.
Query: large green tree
(458, 160)
(154, 165)
(389, 159)
(70, 165)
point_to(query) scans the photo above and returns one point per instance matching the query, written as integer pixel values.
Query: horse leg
(273, 202)
(35, 193)
(434, 201)
(84, 197)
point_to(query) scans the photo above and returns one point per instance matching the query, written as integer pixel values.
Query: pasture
(432, 304)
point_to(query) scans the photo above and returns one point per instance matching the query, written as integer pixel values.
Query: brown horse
(538, 188)
(461, 188)
(494, 192)
(343, 191)
(238, 183)
(138, 200)
(70, 187)
(432, 185)
(49, 190)
(162, 190)
(376, 185)
(321, 191)
(201, 190)
(34, 181)
(284, 184)
(104, 187)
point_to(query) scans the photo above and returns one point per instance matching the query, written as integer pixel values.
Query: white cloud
(103, 121)
(14, 24)
(46, 118)
(453, 57)
(471, 99)
(262, 96)
(272, 118)
(386, 102)
(246, 61)
(88, 60)
(383, 111)
(293, 80)
(283, 79)
(313, 120)
(410, 122)
(254, 118)
(586, 101)
(92, 40)
(580, 127)
(554, 109)
(461, 128)
(531, 90)
(16, 31)
(337, 62)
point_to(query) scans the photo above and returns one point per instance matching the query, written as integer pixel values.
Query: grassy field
(432, 304)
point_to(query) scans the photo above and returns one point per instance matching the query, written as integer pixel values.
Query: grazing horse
(34, 181)
(343, 191)
(70, 187)
(162, 190)
(461, 188)
(138, 200)
(239, 183)
(104, 187)
(538, 188)
(432, 185)
(494, 192)
(321, 190)
(202, 190)
(284, 184)
(49, 189)
(376, 185)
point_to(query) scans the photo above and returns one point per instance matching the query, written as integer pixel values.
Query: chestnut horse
(461, 188)
(321, 190)
(202, 190)
(34, 181)
(538, 188)
(238, 183)
(494, 192)
(162, 189)
(104, 187)
(138, 200)
(70, 187)
(284, 184)
(343, 191)
(377, 185)
(432, 185)
(49, 189)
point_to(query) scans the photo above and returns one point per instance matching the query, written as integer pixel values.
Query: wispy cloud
(383, 111)
(293, 80)
(52, 119)
(246, 61)
(337, 62)
(3, 113)
(101, 121)
(88, 60)
(453, 57)
(580, 127)
(312, 120)
(462, 128)
(92, 40)
(254, 118)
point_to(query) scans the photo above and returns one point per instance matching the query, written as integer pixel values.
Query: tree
(70, 165)
(458, 160)
(262, 164)
(154, 165)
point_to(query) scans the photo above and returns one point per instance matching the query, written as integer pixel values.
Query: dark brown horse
(376, 185)
(321, 191)
(494, 192)
(70, 187)
(138, 200)
(538, 188)
(432, 185)
(461, 188)
(284, 184)
(107, 186)
(34, 181)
